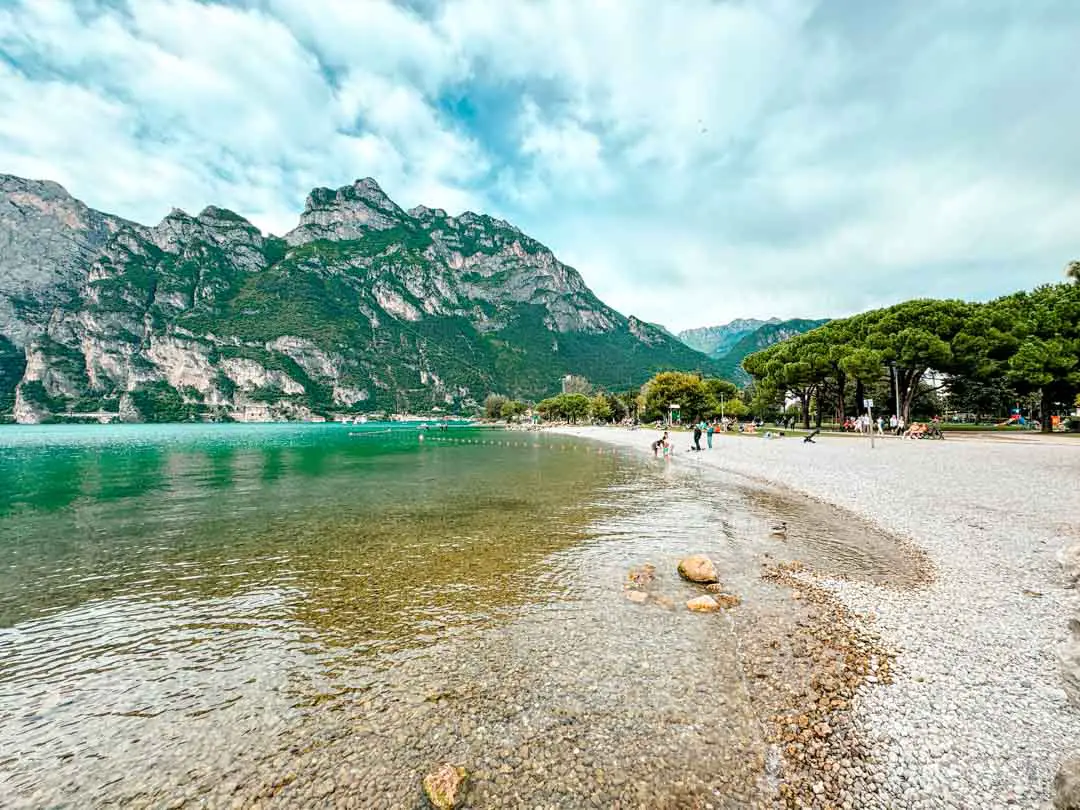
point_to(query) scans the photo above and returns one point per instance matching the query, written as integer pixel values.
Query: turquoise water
(315, 615)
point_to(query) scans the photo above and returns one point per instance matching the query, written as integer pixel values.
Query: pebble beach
(974, 713)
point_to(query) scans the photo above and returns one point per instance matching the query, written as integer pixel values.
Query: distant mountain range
(362, 307)
(729, 343)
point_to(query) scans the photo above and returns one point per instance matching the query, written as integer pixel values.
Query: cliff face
(361, 307)
(47, 241)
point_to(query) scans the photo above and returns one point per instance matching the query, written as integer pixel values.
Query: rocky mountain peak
(425, 214)
(43, 189)
(346, 213)
(368, 189)
(47, 240)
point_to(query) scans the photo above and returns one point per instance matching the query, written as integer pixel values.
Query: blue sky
(697, 161)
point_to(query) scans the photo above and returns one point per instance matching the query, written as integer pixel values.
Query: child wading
(709, 433)
(661, 442)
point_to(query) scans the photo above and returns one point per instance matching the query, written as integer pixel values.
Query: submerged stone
(703, 604)
(641, 575)
(445, 786)
(727, 600)
(698, 568)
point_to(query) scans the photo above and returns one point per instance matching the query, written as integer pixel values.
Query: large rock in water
(1067, 785)
(1070, 664)
(698, 568)
(445, 786)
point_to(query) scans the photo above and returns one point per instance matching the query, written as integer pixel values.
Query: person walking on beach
(880, 426)
(708, 434)
(697, 436)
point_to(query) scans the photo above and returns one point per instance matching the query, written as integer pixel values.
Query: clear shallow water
(305, 615)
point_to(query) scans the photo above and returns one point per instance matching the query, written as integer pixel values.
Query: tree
(631, 402)
(864, 366)
(917, 336)
(735, 408)
(512, 409)
(1028, 343)
(688, 391)
(619, 411)
(549, 408)
(600, 408)
(984, 398)
(1072, 270)
(575, 406)
(1047, 360)
(493, 405)
(569, 407)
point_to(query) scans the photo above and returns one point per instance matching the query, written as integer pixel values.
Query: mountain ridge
(362, 306)
(716, 341)
(768, 334)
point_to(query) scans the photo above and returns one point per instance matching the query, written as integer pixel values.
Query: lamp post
(721, 405)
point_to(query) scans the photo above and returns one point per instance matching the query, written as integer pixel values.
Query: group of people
(702, 428)
(858, 424)
(863, 424)
(897, 426)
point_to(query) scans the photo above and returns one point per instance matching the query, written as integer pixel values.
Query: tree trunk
(841, 393)
(1045, 405)
(860, 395)
(909, 384)
(804, 401)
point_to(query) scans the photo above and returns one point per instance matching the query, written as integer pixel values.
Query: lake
(316, 615)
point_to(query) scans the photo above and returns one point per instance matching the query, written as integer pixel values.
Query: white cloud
(193, 104)
(804, 157)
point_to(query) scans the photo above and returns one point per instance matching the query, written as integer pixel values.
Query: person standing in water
(697, 436)
(658, 444)
(708, 434)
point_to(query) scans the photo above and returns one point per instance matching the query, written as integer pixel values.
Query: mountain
(716, 341)
(362, 307)
(773, 331)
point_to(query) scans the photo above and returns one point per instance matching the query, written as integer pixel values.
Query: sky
(696, 161)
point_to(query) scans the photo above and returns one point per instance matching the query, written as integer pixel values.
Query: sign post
(869, 405)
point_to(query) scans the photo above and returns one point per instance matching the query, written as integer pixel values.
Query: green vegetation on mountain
(730, 343)
(363, 307)
(12, 366)
(730, 364)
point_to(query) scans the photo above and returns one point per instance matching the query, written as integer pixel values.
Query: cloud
(696, 160)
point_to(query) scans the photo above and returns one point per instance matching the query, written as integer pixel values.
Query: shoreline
(972, 712)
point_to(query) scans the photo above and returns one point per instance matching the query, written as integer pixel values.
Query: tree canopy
(1025, 344)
